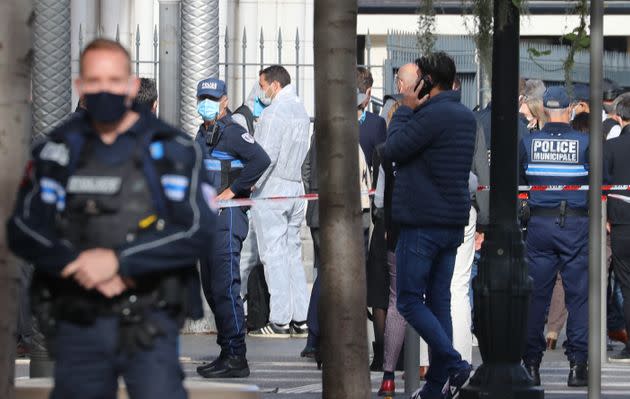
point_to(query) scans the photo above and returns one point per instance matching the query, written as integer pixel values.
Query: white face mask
(573, 113)
(265, 98)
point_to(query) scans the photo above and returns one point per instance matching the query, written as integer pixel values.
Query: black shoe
(621, 357)
(272, 330)
(533, 369)
(232, 366)
(309, 351)
(212, 365)
(298, 329)
(578, 375)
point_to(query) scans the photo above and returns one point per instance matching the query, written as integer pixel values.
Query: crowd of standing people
(116, 187)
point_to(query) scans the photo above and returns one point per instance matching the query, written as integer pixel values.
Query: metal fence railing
(402, 47)
(241, 65)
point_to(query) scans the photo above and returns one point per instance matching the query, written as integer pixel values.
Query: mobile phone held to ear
(426, 89)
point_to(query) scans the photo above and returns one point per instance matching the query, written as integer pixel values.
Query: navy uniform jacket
(372, 132)
(173, 166)
(556, 155)
(239, 147)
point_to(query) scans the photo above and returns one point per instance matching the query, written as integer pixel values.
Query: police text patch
(105, 185)
(556, 150)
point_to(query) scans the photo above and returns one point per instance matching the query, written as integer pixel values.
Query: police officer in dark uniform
(114, 211)
(234, 162)
(557, 239)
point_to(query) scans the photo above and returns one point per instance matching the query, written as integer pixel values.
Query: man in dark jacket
(617, 171)
(372, 128)
(114, 210)
(431, 140)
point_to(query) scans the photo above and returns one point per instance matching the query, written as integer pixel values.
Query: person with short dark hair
(113, 212)
(147, 95)
(365, 81)
(283, 132)
(581, 122)
(432, 140)
(617, 171)
(372, 128)
(277, 74)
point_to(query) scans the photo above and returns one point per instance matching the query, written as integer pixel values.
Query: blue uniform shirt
(556, 155)
(240, 149)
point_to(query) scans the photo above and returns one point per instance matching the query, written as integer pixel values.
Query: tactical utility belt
(135, 310)
(555, 212)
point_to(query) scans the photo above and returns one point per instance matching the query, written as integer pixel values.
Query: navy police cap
(211, 87)
(556, 97)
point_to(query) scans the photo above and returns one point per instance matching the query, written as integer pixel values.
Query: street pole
(16, 121)
(502, 287)
(412, 359)
(343, 291)
(169, 61)
(595, 203)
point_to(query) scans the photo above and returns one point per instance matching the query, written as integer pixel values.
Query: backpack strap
(249, 117)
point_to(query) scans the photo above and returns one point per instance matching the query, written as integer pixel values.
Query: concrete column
(247, 12)
(84, 22)
(116, 13)
(170, 69)
(142, 16)
(15, 116)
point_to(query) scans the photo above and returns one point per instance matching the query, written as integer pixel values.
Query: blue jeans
(425, 259)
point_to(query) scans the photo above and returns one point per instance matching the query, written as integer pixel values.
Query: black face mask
(105, 107)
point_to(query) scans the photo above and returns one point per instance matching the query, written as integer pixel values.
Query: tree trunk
(15, 47)
(343, 292)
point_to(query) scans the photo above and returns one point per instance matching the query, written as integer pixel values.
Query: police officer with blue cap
(557, 238)
(234, 162)
(114, 210)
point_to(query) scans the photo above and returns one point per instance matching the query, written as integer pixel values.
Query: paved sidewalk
(280, 373)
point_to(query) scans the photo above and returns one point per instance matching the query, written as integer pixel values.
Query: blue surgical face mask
(208, 109)
(362, 117)
(258, 108)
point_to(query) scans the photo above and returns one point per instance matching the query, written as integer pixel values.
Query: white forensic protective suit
(283, 131)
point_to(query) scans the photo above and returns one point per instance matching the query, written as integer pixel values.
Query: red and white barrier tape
(233, 203)
(251, 201)
(563, 188)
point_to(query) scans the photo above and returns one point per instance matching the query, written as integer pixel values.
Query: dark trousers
(221, 280)
(552, 249)
(25, 318)
(425, 260)
(88, 362)
(312, 319)
(620, 245)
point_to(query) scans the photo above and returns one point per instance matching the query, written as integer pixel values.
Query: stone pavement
(280, 373)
